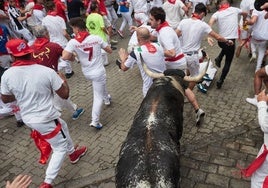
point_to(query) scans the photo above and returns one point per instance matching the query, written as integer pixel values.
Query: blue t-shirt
(3, 39)
(123, 8)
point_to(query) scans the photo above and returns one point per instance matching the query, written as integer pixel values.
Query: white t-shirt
(32, 87)
(55, 26)
(169, 40)
(38, 16)
(193, 31)
(228, 22)
(174, 13)
(153, 56)
(260, 28)
(89, 53)
(139, 5)
(156, 3)
(195, 2)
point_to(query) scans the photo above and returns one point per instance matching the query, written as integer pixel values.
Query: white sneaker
(253, 58)
(200, 114)
(108, 101)
(98, 126)
(252, 101)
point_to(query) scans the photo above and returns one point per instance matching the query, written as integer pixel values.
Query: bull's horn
(149, 72)
(198, 77)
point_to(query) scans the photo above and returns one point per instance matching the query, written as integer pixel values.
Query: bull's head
(174, 72)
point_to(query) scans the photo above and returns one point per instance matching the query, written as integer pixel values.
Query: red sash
(247, 172)
(178, 57)
(41, 143)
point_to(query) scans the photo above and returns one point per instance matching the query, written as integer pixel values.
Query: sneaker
(69, 75)
(218, 62)
(202, 88)
(78, 112)
(45, 185)
(77, 154)
(252, 101)
(118, 63)
(120, 33)
(200, 114)
(253, 58)
(219, 84)
(113, 41)
(20, 123)
(108, 101)
(113, 48)
(96, 125)
(207, 78)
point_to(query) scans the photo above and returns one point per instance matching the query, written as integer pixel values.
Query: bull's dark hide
(149, 157)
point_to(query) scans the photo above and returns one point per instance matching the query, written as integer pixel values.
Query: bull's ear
(174, 72)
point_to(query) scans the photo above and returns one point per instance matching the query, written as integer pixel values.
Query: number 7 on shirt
(90, 50)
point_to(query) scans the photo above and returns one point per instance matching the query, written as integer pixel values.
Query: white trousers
(61, 104)
(99, 94)
(127, 19)
(60, 144)
(112, 16)
(259, 46)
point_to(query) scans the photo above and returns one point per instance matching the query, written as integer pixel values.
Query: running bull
(149, 157)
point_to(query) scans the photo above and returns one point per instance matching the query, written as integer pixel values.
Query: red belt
(53, 133)
(178, 57)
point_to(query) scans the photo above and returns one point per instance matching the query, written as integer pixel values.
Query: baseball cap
(18, 47)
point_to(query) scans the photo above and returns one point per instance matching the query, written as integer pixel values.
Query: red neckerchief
(164, 24)
(40, 42)
(81, 36)
(23, 63)
(224, 6)
(38, 7)
(172, 1)
(194, 15)
(52, 13)
(151, 48)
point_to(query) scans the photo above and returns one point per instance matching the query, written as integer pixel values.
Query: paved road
(230, 134)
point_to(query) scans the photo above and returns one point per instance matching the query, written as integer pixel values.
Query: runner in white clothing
(190, 43)
(152, 54)
(245, 30)
(175, 11)
(140, 8)
(35, 99)
(18, 21)
(88, 48)
(227, 19)
(259, 35)
(172, 50)
(56, 27)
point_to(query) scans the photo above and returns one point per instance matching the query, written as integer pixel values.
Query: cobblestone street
(229, 136)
